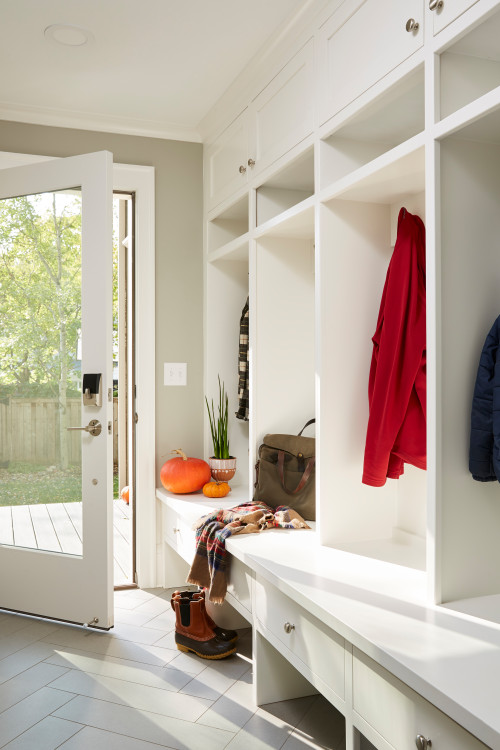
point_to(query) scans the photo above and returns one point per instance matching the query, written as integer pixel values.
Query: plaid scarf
(243, 371)
(211, 557)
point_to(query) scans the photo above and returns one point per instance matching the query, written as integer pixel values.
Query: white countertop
(450, 658)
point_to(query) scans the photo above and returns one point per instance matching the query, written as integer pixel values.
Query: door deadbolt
(93, 428)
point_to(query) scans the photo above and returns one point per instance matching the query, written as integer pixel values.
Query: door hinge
(110, 394)
(110, 428)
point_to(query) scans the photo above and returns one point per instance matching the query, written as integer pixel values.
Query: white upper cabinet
(279, 117)
(282, 115)
(445, 11)
(362, 42)
(226, 162)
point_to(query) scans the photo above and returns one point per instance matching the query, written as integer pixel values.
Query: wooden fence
(29, 431)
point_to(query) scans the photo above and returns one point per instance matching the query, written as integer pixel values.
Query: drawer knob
(242, 169)
(251, 162)
(412, 25)
(436, 4)
(175, 530)
(288, 627)
(422, 742)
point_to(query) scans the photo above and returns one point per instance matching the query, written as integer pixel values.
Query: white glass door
(56, 379)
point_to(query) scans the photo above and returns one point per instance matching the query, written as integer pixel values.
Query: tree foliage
(40, 293)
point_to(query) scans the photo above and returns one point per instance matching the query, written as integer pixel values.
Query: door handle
(93, 428)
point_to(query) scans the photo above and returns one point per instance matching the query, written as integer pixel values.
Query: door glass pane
(40, 372)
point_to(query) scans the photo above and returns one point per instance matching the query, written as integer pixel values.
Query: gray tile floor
(131, 689)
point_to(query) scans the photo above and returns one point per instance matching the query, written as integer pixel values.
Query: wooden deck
(57, 527)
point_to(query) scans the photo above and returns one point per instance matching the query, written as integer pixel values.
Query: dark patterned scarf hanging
(243, 373)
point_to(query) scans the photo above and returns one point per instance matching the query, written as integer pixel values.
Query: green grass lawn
(26, 484)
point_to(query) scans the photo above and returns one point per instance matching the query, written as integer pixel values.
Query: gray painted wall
(179, 261)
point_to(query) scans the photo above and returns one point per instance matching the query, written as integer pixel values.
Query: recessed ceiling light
(68, 35)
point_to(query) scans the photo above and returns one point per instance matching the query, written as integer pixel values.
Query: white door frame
(138, 180)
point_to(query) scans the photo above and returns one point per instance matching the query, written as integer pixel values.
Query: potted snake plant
(222, 464)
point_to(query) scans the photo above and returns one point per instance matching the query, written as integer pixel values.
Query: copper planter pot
(223, 469)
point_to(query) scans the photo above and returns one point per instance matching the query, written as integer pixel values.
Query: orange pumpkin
(182, 475)
(216, 489)
(124, 494)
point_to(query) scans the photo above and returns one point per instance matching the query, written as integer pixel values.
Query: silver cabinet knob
(288, 627)
(251, 162)
(422, 742)
(412, 25)
(242, 169)
(436, 4)
(175, 531)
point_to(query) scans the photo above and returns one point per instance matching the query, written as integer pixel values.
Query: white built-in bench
(355, 629)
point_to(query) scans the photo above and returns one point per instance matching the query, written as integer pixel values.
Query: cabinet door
(361, 43)
(447, 13)
(226, 162)
(283, 113)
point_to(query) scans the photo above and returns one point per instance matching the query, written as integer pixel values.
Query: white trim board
(60, 118)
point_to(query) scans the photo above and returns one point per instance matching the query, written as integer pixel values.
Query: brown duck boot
(231, 636)
(192, 632)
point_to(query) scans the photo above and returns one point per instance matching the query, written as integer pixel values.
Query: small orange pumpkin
(124, 494)
(216, 489)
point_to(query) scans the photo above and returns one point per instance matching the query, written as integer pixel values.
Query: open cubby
(227, 280)
(283, 339)
(391, 119)
(297, 222)
(469, 511)
(358, 232)
(286, 188)
(227, 226)
(470, 67)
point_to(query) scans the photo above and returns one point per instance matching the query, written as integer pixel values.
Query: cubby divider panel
(284, 361)
(469, 510)
(227, 281)
(391, 119)
(356, 248)
(470, 67)
(286, 188)
(228, 225)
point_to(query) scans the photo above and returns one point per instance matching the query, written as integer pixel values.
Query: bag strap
(304, 478)
(311, 421)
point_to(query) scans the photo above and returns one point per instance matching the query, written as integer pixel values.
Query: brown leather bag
(285, 473)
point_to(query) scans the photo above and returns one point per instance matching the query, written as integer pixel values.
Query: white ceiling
(154, 67)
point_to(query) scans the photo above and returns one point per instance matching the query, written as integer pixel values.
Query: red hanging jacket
(396, 430)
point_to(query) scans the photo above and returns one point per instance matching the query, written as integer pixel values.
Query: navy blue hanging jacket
(484, 455)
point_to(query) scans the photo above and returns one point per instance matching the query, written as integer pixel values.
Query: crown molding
(92, 121)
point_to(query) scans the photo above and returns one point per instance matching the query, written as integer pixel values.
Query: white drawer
(240, 582)
(399, 714)
(316, 645)
(179, 534)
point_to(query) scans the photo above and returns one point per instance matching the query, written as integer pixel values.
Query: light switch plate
(175, 373)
